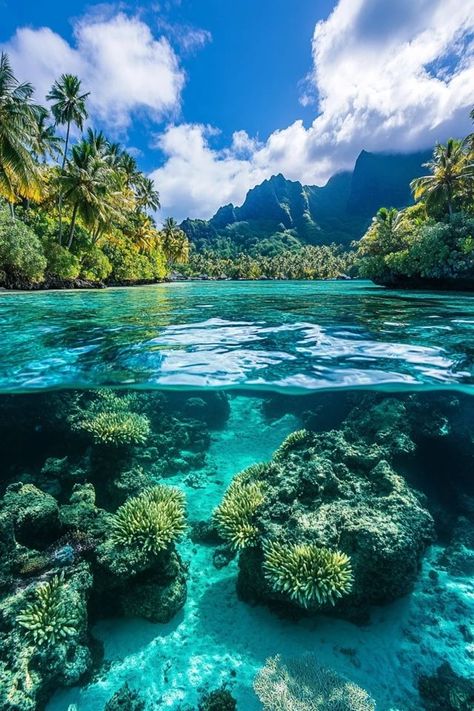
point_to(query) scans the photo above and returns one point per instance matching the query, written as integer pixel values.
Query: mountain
(281, 212)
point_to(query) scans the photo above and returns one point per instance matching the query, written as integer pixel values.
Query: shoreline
(444, 286)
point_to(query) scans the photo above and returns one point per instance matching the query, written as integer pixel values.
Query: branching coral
(47, 619)
(301, 684)
(307, 573)
(235, 515)
(151, 521)
(293, 441)
(117, 428)
(109, 419)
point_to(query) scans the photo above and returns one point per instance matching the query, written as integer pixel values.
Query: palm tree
(69, 105)
(147, 197)
(451, 174)
(174, 242)
(18, 125)
(84, 185)
(46, 143)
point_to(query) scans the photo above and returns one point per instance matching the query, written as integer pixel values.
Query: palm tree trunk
(60, 201)
(12, 211)
(73, 225)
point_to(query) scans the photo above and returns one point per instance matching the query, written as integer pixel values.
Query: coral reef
(307, 573)
(303, 685)
(43, 639)
(151, 521)
(335, 492)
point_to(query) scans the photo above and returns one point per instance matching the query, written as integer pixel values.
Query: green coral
(117, 428)
(307, 573)
(47, 620)
(293, 441)
(301, 684)
(150, 521)
(235, 515)
(110, 420)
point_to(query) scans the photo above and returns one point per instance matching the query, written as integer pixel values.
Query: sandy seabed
(216, 638)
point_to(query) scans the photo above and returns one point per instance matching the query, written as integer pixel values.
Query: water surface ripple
(291, 336)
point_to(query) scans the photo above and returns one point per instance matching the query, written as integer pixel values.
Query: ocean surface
(206, 379)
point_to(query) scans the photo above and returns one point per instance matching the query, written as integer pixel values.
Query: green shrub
(150, 521)
(307, 573)
(47, 620)
(62, 264)
(130, 264)
(235, 514)
(95, 266)
(21, 252)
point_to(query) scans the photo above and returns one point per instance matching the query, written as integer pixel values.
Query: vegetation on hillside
(431, 242)
(73, 208)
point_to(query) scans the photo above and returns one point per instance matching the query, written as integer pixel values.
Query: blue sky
(215, 95)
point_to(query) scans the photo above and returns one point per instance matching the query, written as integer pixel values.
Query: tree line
(77, 208)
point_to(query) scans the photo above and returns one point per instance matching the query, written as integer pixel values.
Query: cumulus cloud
(121, 63)
(389, 77)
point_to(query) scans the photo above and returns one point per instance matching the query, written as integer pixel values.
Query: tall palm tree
(451, 173)
(147, 197)
(174, 242)
(68, 108)
(69, 105)
(18, 124)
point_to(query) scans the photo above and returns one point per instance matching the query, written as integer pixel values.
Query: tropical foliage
(432, 241)
(76, 207)
(300, 262)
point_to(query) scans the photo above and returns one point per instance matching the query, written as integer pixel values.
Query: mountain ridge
(286, 210)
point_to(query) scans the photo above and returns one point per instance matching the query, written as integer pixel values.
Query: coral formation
(43, 639)
(307, 573)
(303, 685)
(150, 521)
(446, 691)
(110, 420)
(335, 492)
(46, 619)
(117, 428)
(236, 513)
(217, 700)
(125, 699)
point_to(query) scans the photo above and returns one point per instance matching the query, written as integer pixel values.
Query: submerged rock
(446, 691)
(44, 645)
(33, 513)
(327, 522)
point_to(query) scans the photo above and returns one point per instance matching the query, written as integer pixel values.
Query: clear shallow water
(224, 372)
(294, 336)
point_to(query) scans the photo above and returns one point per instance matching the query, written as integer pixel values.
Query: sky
(214, 96)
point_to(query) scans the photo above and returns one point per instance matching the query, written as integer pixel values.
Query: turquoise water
(211, 378)
(295, 336)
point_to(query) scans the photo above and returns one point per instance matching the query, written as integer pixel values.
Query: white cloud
(120, 62)
(390, 77)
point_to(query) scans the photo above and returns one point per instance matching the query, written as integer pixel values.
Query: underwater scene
(237, 496)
